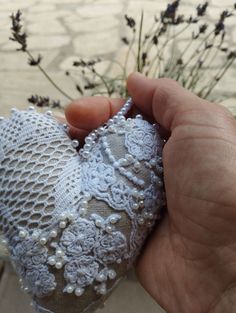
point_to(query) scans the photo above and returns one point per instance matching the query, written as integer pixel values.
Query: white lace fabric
(74, 224)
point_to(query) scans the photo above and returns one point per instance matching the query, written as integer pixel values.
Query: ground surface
(62, 30)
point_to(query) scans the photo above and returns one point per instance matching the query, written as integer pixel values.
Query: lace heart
(75, 220)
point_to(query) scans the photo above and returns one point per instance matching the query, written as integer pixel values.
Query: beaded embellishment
(81, 214)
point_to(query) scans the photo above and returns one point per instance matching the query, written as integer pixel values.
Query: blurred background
(63, 30)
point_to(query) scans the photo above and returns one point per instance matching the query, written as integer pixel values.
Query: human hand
(189, 262)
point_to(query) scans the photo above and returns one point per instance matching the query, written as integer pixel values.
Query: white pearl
(75, 143)
(49, 113)
(100, 130)
(98, 223)
(79, 292)
(135, 206)
(103, 290)
(31, 108)
(137, 165)
(142, 195)
(87, 146)
(136, 193)
(13, 110)
(141, 182)
(141, 221)
(52, 261)
(59, 265)
(109, 229)
(116, 165)
(26, 289)
(141, 204)
(129, 157)
(59, 253)
(153, 162)
(53, 234)
(88, 140)
(4, 242)
(139, 116)
(151, 216)
(112, 274)
(43, 241)
(69, 289)
(22, 234)
(71, 217)
(82, 211)
(111, 129)
(84, 204)
(1, 118)
(101, 277)
(62, 224)
(86, 154)
(113, 220)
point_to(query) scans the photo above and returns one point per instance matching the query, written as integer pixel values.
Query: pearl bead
(112, 274)
(101, 277)
(87, 146)
(49, 113)
(137, 165)
(85, 154)
(109, 229)
(151, 216)
(136, 193)
(59, 265)
(153, 162)
(142, 195)
(22, 234)
(69, 289)
(79, 292)
(43, 241)
(129, 157)
(88, 140)
(139, 116)
(1, 118)
(116, 165)
(82, 211)
(84, 204)
(71, 217)
(13, 110)
(53, 234)
(141, 204)
(98, 223)
(103, 289)
(26, 289)
(62, 224)
(52, 261)
(111, 129)
(141, 221)
(135, 206)
(100, 130)
(113, 220)
(4, 242)
(75, 143)
(59, 253)
(31, 108)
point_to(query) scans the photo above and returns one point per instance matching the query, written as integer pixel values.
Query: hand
(189, 263)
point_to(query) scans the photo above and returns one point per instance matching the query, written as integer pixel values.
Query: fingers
(90, 112)
(165, 99)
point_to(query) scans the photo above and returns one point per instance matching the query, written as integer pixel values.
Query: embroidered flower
(98, 176)
(79, 238)
(111, 247)
(40, 281)
(29, 254)
(141, 141)
(81, 271)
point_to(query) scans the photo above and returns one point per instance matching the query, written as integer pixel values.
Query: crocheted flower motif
(111, 247)
(40, 281)
(29, 254)
(81, 271)
(79, 238)
(140, 141)
(98, 176)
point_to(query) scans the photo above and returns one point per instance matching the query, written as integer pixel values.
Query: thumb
(169, 103)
